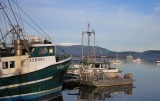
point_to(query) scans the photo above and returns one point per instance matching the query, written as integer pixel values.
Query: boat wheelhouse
(27, 74)
(105, 67)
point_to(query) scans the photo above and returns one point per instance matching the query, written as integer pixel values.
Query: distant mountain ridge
(152, 52)
(76, 50)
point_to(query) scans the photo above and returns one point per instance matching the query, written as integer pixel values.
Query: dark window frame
(4, 65)
(12, 64)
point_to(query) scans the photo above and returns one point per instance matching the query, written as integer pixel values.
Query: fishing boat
(116, 62)
(158, 61)
(137, 60)
(100, 80)
(105, 67)
(90, 63)
(29, 66)
(93, 73)
(129, 57)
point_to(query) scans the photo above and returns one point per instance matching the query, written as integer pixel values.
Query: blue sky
(120, 25)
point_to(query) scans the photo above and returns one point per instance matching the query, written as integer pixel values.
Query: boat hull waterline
(107, 83)
(35, 84)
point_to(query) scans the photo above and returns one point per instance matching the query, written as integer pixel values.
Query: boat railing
(61, 57)
(93, 76)
(100, 75)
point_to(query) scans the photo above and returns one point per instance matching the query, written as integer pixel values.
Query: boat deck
(101, 80)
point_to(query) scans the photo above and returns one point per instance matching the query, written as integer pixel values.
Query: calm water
(145, 87)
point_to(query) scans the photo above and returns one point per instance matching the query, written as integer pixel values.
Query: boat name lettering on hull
(36, 59)
(62, 66)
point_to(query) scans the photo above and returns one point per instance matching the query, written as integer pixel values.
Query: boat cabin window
(12, 64)
(93, 66)
(103, 65)
(50, 49)
(97, 65)
(4, 65)
(43, 50)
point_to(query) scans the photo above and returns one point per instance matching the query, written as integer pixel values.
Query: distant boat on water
(137, 60)
(129, 57)
(158, 61)
(116, 62)
(29, 67)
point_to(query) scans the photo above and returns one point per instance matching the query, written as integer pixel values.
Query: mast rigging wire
(38, 26)
(19, 8)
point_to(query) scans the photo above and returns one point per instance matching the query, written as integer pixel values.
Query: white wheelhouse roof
(41, 45)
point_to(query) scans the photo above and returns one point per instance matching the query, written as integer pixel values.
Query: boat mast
(89, 49)
(16, 30)
(82, 46)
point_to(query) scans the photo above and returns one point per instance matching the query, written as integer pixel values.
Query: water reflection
(102, 93)
(50, 97)
(146, 75)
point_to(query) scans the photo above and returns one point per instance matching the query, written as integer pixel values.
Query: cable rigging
(15, 15)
